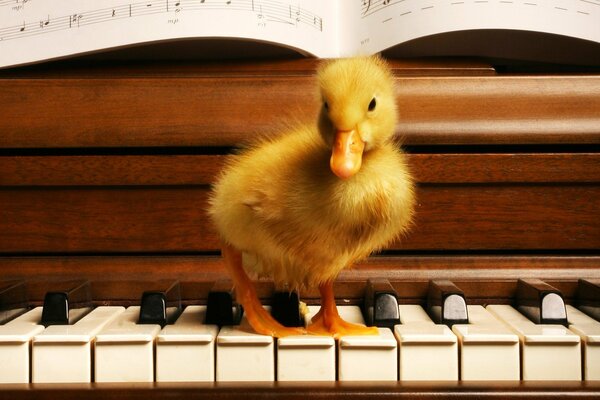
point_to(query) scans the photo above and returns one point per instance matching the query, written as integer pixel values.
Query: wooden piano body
(105, 170)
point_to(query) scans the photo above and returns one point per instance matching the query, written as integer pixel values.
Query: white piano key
(410, 313)
(185, 350)
(15, 345)
(427, 351)
(488, 349)
(63, 353)
(589, 331)
(124, 350)
(478, 315)
(578, 317)
(548, 352)
(8, 315)
(244, 355)
(306, 358)
(371, 357)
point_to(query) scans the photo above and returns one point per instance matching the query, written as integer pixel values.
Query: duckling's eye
(326, 106)
(372, 104)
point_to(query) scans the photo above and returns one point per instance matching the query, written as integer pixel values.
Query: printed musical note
(45, 23)
(75, 19)
(267, 11)
(370, 7)
(176, 9)
(366, 4)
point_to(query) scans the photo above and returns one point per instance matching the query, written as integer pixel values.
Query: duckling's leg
(328, 321)
(260, 320)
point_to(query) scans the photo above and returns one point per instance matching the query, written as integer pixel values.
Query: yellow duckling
(318, 198)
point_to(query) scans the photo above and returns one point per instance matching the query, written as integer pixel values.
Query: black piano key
(540, 302)
(66, 303)
(162, 305)
(221, 307)
(446, 303)
(380, 307)
(13, 300)
(588, 297)
(285, 308)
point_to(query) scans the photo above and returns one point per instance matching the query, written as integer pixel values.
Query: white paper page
(354, 35)
(380, 24)
(32, 30)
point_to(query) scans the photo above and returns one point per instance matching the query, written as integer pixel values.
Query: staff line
(271, 9)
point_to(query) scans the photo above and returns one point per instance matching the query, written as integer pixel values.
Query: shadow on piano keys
(425, 350)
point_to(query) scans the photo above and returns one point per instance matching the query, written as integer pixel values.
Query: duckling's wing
(262, 204)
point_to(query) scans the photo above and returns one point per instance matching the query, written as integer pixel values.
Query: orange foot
(328, 322)
(335, 326)
(259, 319)
(262, 322)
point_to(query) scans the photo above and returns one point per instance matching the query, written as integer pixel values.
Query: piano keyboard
(179, 347)
(165, 343)
(71, 343)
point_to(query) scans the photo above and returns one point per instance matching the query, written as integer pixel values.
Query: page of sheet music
(375, 25)
(32, 30)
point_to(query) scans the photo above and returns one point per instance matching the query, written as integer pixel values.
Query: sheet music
(374, 25)
(31, 30)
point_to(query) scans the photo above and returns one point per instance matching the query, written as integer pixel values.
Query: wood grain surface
(206, 106)
(158, 203)
(120, 279)
(157, 219)
(174, 169)
(312, 390)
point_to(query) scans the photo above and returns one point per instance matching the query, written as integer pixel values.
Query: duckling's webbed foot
(260, 320)
(328, 321)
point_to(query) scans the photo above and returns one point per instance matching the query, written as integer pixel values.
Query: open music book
(37, 30)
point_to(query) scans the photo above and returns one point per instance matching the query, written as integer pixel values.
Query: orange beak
(346, 155)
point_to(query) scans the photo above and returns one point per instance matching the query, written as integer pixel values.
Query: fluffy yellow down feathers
(315, 199)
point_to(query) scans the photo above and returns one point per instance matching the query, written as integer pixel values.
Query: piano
(104, 175)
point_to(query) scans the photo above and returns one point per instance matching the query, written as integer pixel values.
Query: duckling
(318, 198)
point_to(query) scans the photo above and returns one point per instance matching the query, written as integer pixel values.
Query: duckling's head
(358, 113)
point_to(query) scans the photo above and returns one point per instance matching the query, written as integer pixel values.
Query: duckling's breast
(299, 223)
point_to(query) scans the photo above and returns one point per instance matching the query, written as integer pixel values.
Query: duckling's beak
(346, 155)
